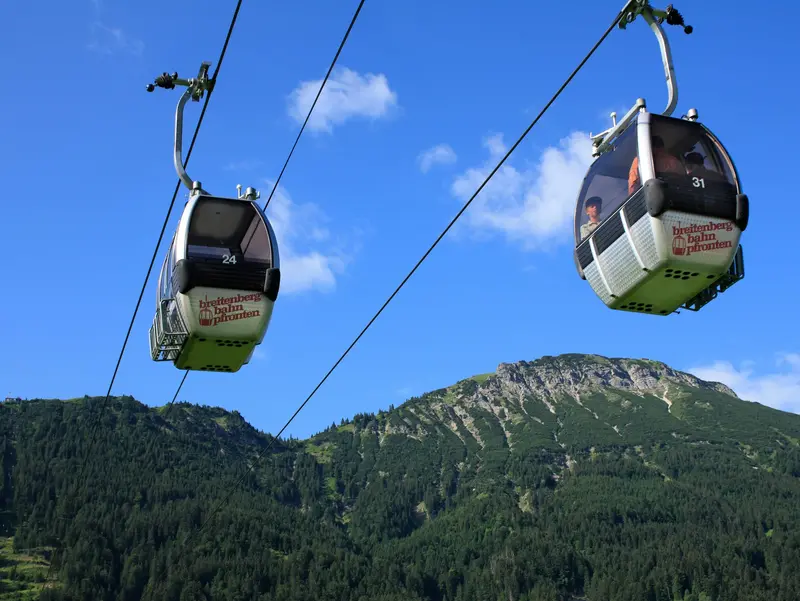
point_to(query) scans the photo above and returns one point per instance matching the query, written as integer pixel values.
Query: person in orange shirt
(662, 160)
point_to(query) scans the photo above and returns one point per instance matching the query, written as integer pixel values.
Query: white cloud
(441, 154)
(346, 95)
(780, 389)
(109, 40)
(533, 205)
(298, 227)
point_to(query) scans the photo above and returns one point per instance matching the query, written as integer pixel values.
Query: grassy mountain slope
(570, 477)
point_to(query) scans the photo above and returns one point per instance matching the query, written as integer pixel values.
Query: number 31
(231, 259)
(698, 182)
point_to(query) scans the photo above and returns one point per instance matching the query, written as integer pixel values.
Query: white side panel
(621, 268)
(642, 234)
(619, 263)
(596, 282)
(694, 240)
(219, 313)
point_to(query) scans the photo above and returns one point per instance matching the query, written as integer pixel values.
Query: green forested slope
(572, 477)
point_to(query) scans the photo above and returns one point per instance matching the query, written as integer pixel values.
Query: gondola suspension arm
(195, 89)
(654, 17)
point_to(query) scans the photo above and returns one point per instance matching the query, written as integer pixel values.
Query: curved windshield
(606, 186)
(228, 231)
(683, 152)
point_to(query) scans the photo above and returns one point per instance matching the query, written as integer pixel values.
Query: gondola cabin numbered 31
(671, 242)
(661, 210)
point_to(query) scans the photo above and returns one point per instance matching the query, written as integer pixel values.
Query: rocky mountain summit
(551, 376)
(620, 394)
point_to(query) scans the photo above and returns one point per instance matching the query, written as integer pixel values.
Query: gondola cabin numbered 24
(217, 286)
(221, 276)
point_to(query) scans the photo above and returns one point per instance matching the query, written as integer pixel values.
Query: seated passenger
(663, 162)
(593, 207)
(696, 168)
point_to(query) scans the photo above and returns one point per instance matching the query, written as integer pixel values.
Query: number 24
(229, 259)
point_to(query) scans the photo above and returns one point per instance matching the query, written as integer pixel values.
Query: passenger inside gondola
(695, 166)
(663, 162)
(593, 207)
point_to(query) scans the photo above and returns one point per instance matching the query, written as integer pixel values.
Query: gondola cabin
(659, 217)
(217, 286)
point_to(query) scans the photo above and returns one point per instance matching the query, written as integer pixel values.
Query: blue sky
(87, 176)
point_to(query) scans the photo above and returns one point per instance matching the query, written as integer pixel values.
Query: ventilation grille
(222, 342)
(686, 275)
(681, 275)
(234, 343)
(639, 307)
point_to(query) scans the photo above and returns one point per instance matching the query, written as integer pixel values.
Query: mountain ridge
(568, 477)
(549, 381)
